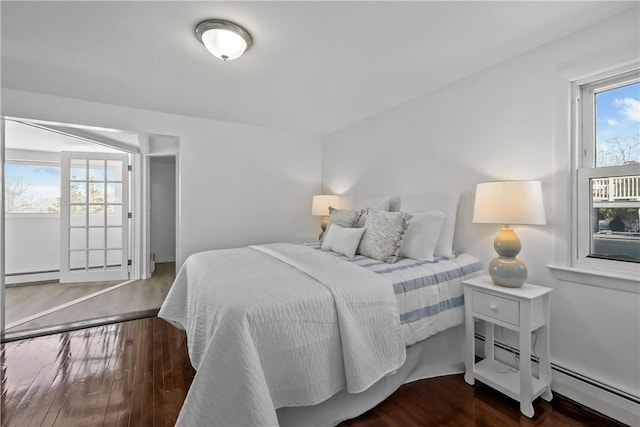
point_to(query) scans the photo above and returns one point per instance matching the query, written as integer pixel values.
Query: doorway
(162, 212)
(65, 218)
(55, 236)
(97, 215)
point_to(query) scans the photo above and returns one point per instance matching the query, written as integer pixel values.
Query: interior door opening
(86, 231)
(66, 218)
(162, 210)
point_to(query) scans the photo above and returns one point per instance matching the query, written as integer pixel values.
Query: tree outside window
(31, 188)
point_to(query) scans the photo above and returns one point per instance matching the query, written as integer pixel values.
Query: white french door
(94, 212)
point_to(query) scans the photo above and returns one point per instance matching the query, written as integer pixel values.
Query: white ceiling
(314, 66)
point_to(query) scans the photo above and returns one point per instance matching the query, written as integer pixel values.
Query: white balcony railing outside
(616, 188)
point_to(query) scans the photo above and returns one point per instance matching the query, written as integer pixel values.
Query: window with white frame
(608, 176)
(32, 187)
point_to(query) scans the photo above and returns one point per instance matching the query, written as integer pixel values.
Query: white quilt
(279, 325)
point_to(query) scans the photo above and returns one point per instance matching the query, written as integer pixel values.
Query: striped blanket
(429, 293)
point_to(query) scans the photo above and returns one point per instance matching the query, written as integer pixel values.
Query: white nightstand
(523, 310)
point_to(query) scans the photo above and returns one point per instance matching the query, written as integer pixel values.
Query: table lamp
(320, 207)
(508, 203)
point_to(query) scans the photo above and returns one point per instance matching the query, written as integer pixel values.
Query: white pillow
(343, 241)
(342, 217)
(447, 203)
(422, 235)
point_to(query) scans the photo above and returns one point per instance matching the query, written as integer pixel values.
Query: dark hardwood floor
(449, 401)
(137, 373)
(133, 373)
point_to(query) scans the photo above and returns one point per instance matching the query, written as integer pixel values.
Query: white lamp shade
(321, 204)
(509, 202)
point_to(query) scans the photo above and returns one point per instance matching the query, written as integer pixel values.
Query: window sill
(600, 278)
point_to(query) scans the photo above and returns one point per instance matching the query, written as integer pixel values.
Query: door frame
(136, 185)
(2, 225)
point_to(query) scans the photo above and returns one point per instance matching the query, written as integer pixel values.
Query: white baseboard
(164, 259)
(596, 398)
(31, 278)
(586, 391)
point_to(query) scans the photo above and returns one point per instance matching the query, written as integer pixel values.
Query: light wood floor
(137, 373)
(136, 299)
(25, 300)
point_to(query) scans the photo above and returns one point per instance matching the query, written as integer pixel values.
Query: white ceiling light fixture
(223, 39)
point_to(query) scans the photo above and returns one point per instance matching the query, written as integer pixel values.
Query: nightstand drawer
(504, 309)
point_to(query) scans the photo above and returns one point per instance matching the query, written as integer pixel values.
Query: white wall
(509, 122)
(163, 208)
(238, 184)
(32, 243)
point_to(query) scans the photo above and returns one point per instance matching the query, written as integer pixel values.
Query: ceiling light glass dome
(223, 39)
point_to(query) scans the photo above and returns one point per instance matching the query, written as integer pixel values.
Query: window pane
(96, 238)
(77, 238)
(114, 259)
(77, 260)
(114, 193)
(78, 192)
(96, 192)
(114, 170)
(97, 260)
(32, 188)
(617, 125)
(96, 215)
(114, 237)
(616, 218)
(77, 215)
(78, 170)
(114, 215)
(96, 170)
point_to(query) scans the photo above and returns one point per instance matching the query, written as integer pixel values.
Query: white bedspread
(279, 325)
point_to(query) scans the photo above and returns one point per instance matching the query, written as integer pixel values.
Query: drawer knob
(493, 307)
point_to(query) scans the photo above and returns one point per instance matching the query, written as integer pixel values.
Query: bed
(290, 334)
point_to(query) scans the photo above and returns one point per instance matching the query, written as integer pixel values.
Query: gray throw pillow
(383, 234)
(342, 217)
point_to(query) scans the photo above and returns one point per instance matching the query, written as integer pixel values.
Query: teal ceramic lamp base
(507, 269)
